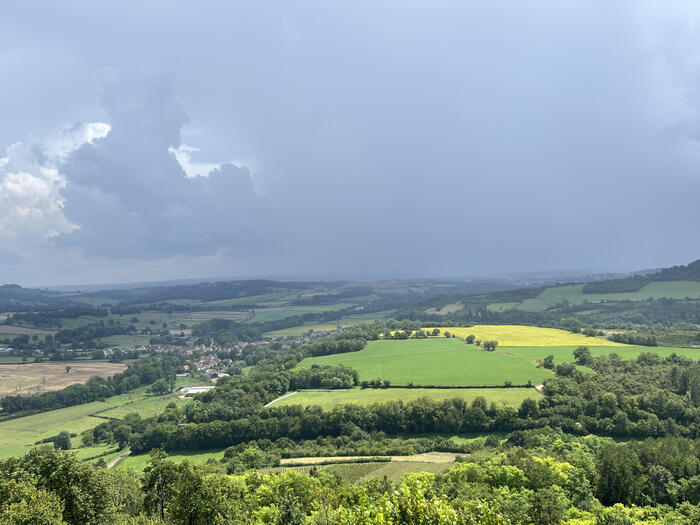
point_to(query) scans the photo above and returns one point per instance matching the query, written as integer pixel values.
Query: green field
(564, 354)
(441, 361)
(358, 472)
(21, 433)
(124, 341)
(138, 463)
(671, 289)
(437, 361)
(328, 400)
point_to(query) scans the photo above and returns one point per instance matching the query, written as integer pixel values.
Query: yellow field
(517, 335)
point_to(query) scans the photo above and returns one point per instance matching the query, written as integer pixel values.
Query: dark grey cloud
(370, 138)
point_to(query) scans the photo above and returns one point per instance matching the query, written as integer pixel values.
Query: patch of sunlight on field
(139, 462)
(517, 335)
(368, 396)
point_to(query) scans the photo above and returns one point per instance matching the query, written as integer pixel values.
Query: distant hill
(691, 272)
(665, 296)
(13, 296)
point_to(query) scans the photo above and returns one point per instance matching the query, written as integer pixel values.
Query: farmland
(20, 433)
(138, 462)
(33, 377)
(437, 361)
(518, 335)
(360, 396)
(451, 362)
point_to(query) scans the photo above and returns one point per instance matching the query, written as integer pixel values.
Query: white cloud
(31, 204)
(183, 155)
(70, 138)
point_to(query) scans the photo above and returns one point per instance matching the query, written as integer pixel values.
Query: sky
(142, 141)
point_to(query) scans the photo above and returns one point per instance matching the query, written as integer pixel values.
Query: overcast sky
(157, 140)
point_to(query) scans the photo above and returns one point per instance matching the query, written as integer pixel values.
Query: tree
(583, 356)
(68, 369)
(159, 478)
(490, 345)
(548, 362)
(22, 503)
(160, 387)
(62, 441)
(470, 339)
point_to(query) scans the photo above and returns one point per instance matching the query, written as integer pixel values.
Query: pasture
(368, 396)
(436, 361)
(138, 463)
(21, 433)
(40, 377)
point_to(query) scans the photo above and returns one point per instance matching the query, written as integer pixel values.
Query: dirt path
(118, 459)
(279, 399)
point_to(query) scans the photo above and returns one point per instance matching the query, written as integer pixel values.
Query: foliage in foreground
(547, 478)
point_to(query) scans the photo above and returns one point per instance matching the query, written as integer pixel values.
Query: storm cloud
(320, 139)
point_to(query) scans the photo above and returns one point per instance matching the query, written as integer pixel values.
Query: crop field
(367, 396)
(277, 313)
(436, 361)
(233, 315)
(125, 341)
(33, 377)
(23, 330)
(518, 335)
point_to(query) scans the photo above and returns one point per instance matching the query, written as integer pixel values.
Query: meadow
(368, 396)
(359, 472)
(436, 361)
(21, 433)
(138, 463)
(451, 362)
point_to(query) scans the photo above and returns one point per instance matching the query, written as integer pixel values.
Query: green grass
(367, 396)
(147, 407)
(435, 362)
(671, 289)
(18, 435)
(125, 341)
(564, 354)
(21, 433)
(14, 360)
(533, 305)
(138, 463)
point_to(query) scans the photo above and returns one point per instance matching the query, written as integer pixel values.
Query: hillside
(669, 295)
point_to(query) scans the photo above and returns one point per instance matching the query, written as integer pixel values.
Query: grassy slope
(21, 433)
(328, 400)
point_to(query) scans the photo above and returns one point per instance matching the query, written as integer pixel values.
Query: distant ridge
(690, 272)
